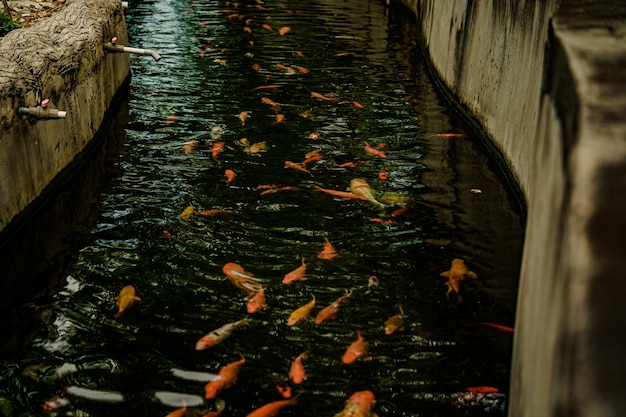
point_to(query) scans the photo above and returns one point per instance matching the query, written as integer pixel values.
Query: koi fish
(296, 275)
(215, 212)
(297, 167)
(55, 403)
(314, 136)
(240, 278)
(306, 113)
(311, 159)
(358, 350)
(225, 378)
(401, 211)
(277, 189)
(267, 87)
(361, 187)
(188, 213)
(481, 390)
(382, 174)
(456, 275)
(171, 119)
(300, 54)
(220, 405)
(247, 29)
(373, 151)
(359, 404)
(271, 103)
(256, 302)
(330, 312)
(494, 325)
(179, 412)
(284, 30)
(301, 313)
(328, 253)
(220, 61)
(189, 146)
(219, 335)
(445, 135)
(372, 283)
(384, 222)
(351, 164)
(218, 148)
(297, 374)
(286, 68)
(342, 194)
(395, 323)
(280, 118)
(273, 408)
(230, 175)
(243, 116)
(282, 387)
(303, 70)
(125, 300)
(266, 26)
(357, 104)
(252, 148)
(323, 97)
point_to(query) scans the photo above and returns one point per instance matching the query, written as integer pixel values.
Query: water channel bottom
(204, 211)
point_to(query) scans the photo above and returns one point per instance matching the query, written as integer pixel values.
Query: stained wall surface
(545, 80)
(61, 59)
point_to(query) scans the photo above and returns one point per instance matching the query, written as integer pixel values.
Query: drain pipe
(114, 47)
(42, 111)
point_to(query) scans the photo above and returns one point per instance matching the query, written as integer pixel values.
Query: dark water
(146, 364)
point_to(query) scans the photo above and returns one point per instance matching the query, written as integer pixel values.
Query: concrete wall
(62, 59)
(546, 81)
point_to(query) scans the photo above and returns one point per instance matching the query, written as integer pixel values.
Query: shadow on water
(122, 225)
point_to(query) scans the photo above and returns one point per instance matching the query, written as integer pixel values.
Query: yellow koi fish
(125, 300)
(395, 323)
(301, 313)
(456, 275)
(360, 187)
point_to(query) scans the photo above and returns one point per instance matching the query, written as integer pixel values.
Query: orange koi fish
(188, 213)
(240, 278)
(282, 387)
(280, 118)
(189, 146)
(247, 29)
(296, 275)
(220, 405)
(179, 412)
(219, 335)
(297, 374)
(218, 148)
(243, 116)
(456, 275)
(395, 323)
(171, 119)
(300, 54)
(267, 87)
(373, 151)
(331, 311)
(303, 70)
(351, 164)
(342, 194)
(284, 30)
(273, 408)
(401, 211)
(328, 253)
(494, 325)
(384, 222)
(358, 350)
(275, 106)
(311, 159)
(301, 313)
(125, 300)
(277, 189)
(314, 152)
(323, 97)
(230, 176)
(306, 113)
(445, 135)
(225, 378)
(215, 212)
(297, 167)
(357, 104)
(359, 404)
(266, 26)
(382, 174)
(481, 390)
(256, 302)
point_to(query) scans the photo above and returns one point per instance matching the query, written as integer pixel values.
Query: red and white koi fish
(225, 378)
(328, 253)
(330, 312)
(219, 335)
(359, 404)
(297, 373)
(125, 300)
(358, 350)
(297, 274)
(273, 408)
(456, 275)
(240, 278)
(301, 313)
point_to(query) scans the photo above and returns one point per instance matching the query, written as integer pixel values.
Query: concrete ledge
(62, 59)
(546, 82)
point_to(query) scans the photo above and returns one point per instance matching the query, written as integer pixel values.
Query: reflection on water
(222, 62)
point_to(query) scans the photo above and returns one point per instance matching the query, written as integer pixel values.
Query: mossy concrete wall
(546, 81)
(61, 59)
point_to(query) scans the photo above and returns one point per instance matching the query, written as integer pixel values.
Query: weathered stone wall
(62, 59)
(546, 81)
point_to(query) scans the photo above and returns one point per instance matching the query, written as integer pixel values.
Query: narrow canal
(340, 90)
